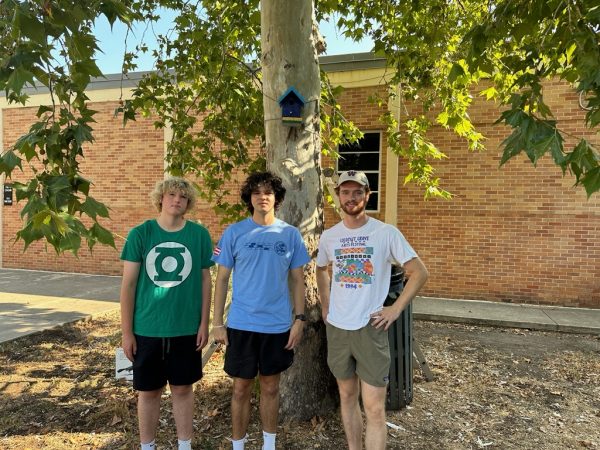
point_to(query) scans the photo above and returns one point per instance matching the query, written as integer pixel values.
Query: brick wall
(512, 234)
(124, 164)
(515, 234)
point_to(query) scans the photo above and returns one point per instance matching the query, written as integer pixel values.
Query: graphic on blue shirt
(279, 247)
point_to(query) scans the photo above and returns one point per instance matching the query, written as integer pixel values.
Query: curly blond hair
(173, 184)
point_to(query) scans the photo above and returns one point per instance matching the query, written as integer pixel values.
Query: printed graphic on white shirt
(168, 264)
(353, 266)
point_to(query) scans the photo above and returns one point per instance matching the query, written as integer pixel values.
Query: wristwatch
(301, 317)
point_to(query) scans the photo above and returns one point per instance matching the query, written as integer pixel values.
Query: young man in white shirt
(361, 250)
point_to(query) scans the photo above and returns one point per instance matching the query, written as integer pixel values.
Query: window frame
(378, 171)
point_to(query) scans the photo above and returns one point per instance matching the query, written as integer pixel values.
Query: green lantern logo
(168, 264)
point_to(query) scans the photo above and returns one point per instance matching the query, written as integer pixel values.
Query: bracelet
(218, 326)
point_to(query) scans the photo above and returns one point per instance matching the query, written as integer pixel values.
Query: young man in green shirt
(165, 308)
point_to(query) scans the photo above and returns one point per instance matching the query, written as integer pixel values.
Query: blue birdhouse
(291, 103)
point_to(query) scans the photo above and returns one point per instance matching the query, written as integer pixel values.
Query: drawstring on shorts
(166, 348)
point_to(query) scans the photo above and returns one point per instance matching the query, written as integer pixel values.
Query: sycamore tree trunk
(289, 59)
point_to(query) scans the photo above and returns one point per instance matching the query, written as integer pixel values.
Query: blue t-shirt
(261, 258)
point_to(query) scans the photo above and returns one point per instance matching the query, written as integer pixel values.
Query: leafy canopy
(208, 81)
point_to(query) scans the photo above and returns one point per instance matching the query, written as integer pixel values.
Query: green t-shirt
(168, 297)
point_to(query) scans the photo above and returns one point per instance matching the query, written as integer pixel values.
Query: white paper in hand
(123, 367)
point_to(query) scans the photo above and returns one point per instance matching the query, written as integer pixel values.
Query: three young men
(165, 307)
(267, 257)
(361, 250)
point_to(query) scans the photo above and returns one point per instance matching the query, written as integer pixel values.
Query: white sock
(239, 444)
(149, 445)
(184, 445)
(269, 440)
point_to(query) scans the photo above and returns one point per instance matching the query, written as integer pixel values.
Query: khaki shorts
(364, 352)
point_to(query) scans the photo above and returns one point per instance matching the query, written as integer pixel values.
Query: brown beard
(355, 212)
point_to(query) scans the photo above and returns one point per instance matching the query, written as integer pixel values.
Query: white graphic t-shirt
(361, 268)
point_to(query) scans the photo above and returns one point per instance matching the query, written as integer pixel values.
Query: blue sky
(112, 43)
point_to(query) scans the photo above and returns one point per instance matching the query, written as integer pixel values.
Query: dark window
(364, 155)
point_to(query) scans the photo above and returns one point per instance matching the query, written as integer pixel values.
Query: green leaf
(41, 219)
(44, 109)
(19, 77)
(512, 117)
(102, 235)
(29, 26)
(25, 191)
(84, 45)
(69, 242)
(513, 145)
(456, 71)
(584, 164)
(489, 93)
(591, 181)
(557, 152)
(113, 10)
(94, 208)
(81, 184)
(541, 147)
(59, 224)
(593, 117)
(82, 72)
(58, 190)
(582, 156)
(82, 133)
(28, 235)
(33, 206)
(9, 161)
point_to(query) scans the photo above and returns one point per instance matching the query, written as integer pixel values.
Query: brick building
(516, 233)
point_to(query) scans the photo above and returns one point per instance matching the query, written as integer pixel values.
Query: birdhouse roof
(289, 95)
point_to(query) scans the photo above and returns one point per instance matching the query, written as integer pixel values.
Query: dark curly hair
(266, 179)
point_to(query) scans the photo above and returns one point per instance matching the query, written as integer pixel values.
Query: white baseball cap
(353, 175)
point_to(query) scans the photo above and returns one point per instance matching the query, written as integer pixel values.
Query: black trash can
(400, 386)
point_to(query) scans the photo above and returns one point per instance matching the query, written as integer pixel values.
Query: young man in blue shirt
(266, 256)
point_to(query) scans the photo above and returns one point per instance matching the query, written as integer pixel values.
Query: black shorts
(161, 360)
(249, 353)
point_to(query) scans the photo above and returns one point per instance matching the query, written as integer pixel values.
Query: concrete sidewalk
(512, 315)
(32, 301)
